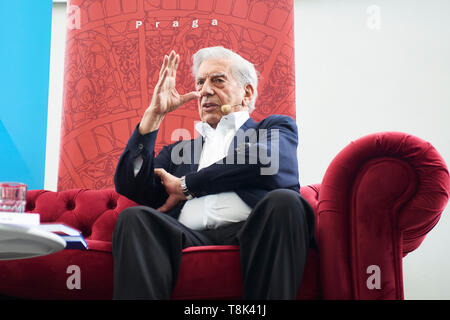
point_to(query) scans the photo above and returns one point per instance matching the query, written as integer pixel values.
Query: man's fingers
(161, 80)
(165, 207)
(176, 62)
(189, 96)
(170, 64)
(172, 57)
(159, 171)
(164, 65)
(171, 202)
(162, 208)
(166, 86)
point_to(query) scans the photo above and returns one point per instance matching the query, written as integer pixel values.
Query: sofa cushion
(214, 272)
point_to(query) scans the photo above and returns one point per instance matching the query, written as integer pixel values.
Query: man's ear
(248, 96)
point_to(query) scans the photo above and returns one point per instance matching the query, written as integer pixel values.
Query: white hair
(243, 71)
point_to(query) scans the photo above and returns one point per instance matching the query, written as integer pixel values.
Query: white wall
(55, 95)
(352, 79)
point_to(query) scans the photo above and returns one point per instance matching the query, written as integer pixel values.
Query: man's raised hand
(165, 95)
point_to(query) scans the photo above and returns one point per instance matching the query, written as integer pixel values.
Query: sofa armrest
(379, 198)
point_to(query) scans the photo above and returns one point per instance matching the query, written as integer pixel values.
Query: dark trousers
(274, 242)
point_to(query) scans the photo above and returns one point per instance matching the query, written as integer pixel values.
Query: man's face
(217, 87)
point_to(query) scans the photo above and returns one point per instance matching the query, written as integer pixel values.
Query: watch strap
(186, 192)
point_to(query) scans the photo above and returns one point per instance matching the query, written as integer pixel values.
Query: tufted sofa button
(30, 206)
(112, 204)
(70, 205)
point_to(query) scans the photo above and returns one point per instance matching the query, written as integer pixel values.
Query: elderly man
(222, 196)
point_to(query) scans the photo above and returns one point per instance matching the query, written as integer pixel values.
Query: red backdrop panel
(112, 64)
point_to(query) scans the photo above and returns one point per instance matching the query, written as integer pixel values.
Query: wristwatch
(186, 192)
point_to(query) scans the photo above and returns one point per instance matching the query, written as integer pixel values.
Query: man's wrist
(184, 189)
(150, 122)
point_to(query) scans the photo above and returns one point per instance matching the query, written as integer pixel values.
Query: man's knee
(135, 216)
(286, 205)
(283, 196)
(129, 216)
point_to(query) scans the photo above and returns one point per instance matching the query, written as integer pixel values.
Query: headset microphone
(226, 108)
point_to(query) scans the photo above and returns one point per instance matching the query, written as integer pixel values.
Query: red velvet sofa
(379, 198)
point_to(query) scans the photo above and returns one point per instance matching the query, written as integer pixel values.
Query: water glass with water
(13, 196)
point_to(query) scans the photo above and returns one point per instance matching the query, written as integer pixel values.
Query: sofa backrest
(94, 212)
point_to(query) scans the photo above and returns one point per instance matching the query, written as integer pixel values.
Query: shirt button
(140, 146)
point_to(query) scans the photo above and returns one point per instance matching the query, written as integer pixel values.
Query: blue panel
(25, 28)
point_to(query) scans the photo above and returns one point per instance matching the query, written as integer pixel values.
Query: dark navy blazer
(230, 174)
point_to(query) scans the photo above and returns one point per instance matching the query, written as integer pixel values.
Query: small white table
(20, 242)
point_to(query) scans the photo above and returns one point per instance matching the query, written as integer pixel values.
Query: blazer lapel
(249, 124)
(196, 151)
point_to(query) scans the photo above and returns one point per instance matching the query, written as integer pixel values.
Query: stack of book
(73, 237)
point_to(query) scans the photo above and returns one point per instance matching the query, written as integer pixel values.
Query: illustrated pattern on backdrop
(112, 65)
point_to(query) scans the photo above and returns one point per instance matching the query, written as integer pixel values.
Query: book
(73, 237)
(75, 242)
(60, 229)
(16, 218)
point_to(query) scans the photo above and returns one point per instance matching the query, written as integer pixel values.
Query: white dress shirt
(213, 211)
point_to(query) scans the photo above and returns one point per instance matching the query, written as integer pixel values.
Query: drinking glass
(13, 196)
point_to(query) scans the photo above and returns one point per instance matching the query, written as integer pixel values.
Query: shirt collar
(231, 121)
